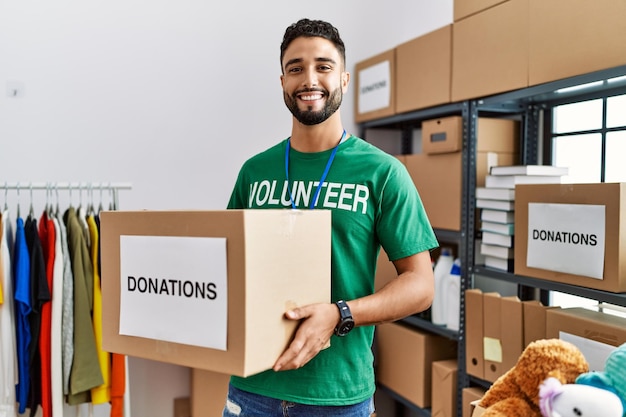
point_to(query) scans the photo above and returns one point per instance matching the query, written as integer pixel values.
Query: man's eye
(295, 69)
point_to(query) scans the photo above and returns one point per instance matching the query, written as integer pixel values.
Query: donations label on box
(375, 87)
(567, 238)
(170, 287)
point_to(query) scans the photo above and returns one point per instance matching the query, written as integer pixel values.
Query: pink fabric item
(549, 389)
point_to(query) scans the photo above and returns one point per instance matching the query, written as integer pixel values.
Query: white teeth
(314, 97)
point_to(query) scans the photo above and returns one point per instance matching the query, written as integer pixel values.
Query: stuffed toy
(613, 378)
(577, 400)
(516, 393)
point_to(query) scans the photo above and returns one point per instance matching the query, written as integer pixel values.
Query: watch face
(345, 327)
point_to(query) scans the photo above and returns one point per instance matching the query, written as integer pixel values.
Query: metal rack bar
(604, 296)
(65, 185)
(113, 187)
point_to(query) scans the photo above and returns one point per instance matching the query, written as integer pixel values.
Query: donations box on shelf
(209, 289)
(572, 233)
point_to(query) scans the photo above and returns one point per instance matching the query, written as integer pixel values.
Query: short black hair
(309, 29)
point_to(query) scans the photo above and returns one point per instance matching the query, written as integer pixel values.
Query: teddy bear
(516, 393)
(613, 378)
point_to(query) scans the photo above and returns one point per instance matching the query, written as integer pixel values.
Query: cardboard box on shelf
(534, 320)
(182, 407)
(490, 51)
(552, 244)
(208, 393)
(404, 360)
(444, 396)
(502, 334)
(573, 37)
(423, 70)
(470, 397)
(445, 135)
(165, 272)
(375, 90)
(439, 180)
(596, 334)
(464, 8)
(474, 356)
(385, 271)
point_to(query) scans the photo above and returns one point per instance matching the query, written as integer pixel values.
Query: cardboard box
(596, 334)
(375, 92)
(503, 335)
(182, 407)
(424, 70)
(609, 198)
(534, 320)
(477, 410)
(444, 393)
(470, 397)
(405, 357)
(474, 357)
(385, 271)
(445, 135)
(464, 8)
(573, 37)
(490, 51)
(262, 250)
(439, 181)
(208, 393)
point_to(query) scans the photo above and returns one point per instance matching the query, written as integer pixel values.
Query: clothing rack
(51, 188)
(112, 187)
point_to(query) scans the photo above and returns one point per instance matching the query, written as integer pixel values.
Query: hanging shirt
(67, 313)
(40, 294)
(23, 308)
(85, 372)
(8, 348)
(47, 236)
(100, 394)
(56, 327)
(118, 362)
(1, 263)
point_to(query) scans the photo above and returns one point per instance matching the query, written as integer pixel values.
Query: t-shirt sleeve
(237, 197)
(403, 227)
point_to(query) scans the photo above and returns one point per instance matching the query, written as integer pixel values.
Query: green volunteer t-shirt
(374, 202)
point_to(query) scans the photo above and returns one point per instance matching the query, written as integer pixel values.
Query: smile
(311, 97)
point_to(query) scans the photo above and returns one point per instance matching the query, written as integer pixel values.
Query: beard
(309, 117)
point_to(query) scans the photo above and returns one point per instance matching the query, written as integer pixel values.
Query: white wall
(171, 96)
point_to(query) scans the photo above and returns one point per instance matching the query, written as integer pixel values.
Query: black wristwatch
(346, 322)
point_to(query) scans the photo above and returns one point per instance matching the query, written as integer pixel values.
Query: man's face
(313, 79)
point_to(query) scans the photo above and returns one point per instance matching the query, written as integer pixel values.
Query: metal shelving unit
(528, 104)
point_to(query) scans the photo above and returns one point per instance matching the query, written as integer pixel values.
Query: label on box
(596, 353)
(492, 349)
(174, 289)
(567, 238)
(375, 87)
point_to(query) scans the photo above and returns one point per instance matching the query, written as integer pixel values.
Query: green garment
(374, 202)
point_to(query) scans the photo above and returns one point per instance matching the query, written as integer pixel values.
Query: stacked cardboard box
(437, 171)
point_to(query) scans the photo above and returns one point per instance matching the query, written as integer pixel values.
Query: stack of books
(496, 200)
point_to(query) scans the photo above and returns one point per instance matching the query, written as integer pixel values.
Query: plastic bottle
(453, 295)
(441, 272)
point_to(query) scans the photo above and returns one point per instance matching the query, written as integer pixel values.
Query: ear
(282, 81)
(345, 81)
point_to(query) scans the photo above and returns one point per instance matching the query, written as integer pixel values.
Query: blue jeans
(244, 404)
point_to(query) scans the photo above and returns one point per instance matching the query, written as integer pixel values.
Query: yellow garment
(101, 394)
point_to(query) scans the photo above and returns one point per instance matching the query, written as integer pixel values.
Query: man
(373, 203)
